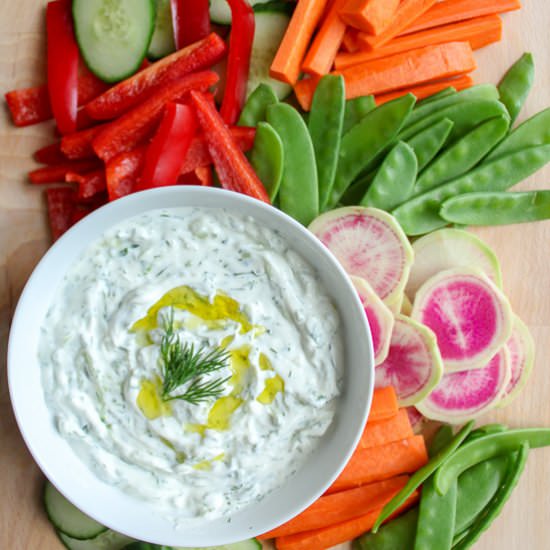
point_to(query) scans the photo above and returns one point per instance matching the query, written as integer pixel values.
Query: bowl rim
(134, 205)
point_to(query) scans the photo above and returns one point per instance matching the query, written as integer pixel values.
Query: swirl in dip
(228, 284)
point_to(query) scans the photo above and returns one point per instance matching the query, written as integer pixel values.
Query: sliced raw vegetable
(416, 419)
(413, 365)
(162, 41)
(384, 405)
(255, 108)
(446, 92)
(428, 142)
(356, 109)
(395, 303)
(380, 318)
(190, 20)
(113, 39)
(369, 244)
(516, 84)
(386, 431)
(371, 16)
(448, 248)
(469, 315)
(267, 158)
(220, 12)
(110, 540)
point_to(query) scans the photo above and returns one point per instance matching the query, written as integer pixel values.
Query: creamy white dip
(99, 352)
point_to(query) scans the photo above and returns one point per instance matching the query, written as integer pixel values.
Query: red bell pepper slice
(50, 154)
(233, 169)
(58, 172)
(122, 172)
(191, 21)
(62, 65)
(90, 184)
(238, 61)
(61, 203)
(79, 144)
(132, 91)
(200, 176)
(165, 154)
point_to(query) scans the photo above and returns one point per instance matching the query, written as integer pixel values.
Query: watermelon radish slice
(462, 396)
(449, 248)
(470, 316)
(396, 304)
(379, 316)
(406, 306)
(369, 243)
(416, 419)
(521, 347)
(413, 365)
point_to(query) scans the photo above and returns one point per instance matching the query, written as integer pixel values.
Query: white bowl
(140, 519)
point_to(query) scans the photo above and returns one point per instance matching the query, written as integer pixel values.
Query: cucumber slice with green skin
(220, 12)
(250, 544)
(162, 41)
(68, 519)
(109, 540)
(113, 35)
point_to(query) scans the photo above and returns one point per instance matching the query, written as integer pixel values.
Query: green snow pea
(357, 108)
(441, 438)
(497, 208)
(486, 430)
(494, 508)
(267, 158)
(356, 191)
(422, 475)
(446, 92)
(363, 144)
(325, 128)
(394, 181)
(397, 534)
(421, 214)
(299, 190)
(428, 142)
(256, 105)
(463, 154)
(516, 84)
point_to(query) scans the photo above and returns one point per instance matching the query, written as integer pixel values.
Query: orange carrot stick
(385, 431)
(323, 50)
(288, 59)
(427, 90)
(406, 13)
(350, 42)
(320, 539)
(384, 404)
(372, 16)
(332, 509)
(383, 462)
(452, 11)
(479, 32)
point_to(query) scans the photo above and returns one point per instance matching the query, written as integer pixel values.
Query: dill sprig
(182, 363)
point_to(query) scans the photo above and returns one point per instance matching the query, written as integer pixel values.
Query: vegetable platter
(24, 237)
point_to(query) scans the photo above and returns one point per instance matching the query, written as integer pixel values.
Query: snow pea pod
(485, 448)
(299, 190)
(356, 191)
(463, 155)
(256, 105)
(497, 208)
(394, 181)
(486, 430)
(422, 475)
(357, 108)
(367, 140)
(267, 158)
(446, 92)
(421, 214)
(326, 118)
(516, 84)
(428, 142)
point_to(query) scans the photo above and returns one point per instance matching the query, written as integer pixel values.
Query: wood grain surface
(523, 251)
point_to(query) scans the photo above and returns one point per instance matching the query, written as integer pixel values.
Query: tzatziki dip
(170, 291)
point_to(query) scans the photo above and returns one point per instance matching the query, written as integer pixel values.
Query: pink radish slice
(413, 365)
(416, 419)
(379, 316)
(522, 357)
(462, 396)
(470, 316)
(369, 243)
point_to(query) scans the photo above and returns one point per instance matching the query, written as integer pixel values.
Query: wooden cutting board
(523, 251)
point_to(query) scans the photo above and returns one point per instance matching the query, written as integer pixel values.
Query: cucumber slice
(113, 35)
(162, 42)
(220, 12)
(250, 544)
(109, 540)
(68, 519)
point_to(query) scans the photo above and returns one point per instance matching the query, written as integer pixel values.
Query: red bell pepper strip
(135, 126)
(29, 105)
(233, 169)
(62, 65)
(165, 154)
(79, 144)
(132, 91)
(122, 172)
(61, 203)
(89, 183)
(191, 21)
(50, 154)
(57, 172)
(205, 176)
(238, 61)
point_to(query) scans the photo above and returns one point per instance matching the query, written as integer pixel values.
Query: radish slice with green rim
(521, 347)
(448, 248)
(368, 243)
(379, 316)
(406, 306)
(413, 365)
(462, 396)
(396, 304)
(470, 316)
(416, 418)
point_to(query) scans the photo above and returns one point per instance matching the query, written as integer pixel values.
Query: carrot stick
(427, 90)
(384, 404)
(479, 32)
(383, 462)
(321, 54)
(372, 16)
(288, 59)
(320, 539)
(385, 431)
(452, 11)
(333, 509)
(406, 13)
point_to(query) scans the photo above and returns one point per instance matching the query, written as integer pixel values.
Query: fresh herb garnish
(182, 363)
